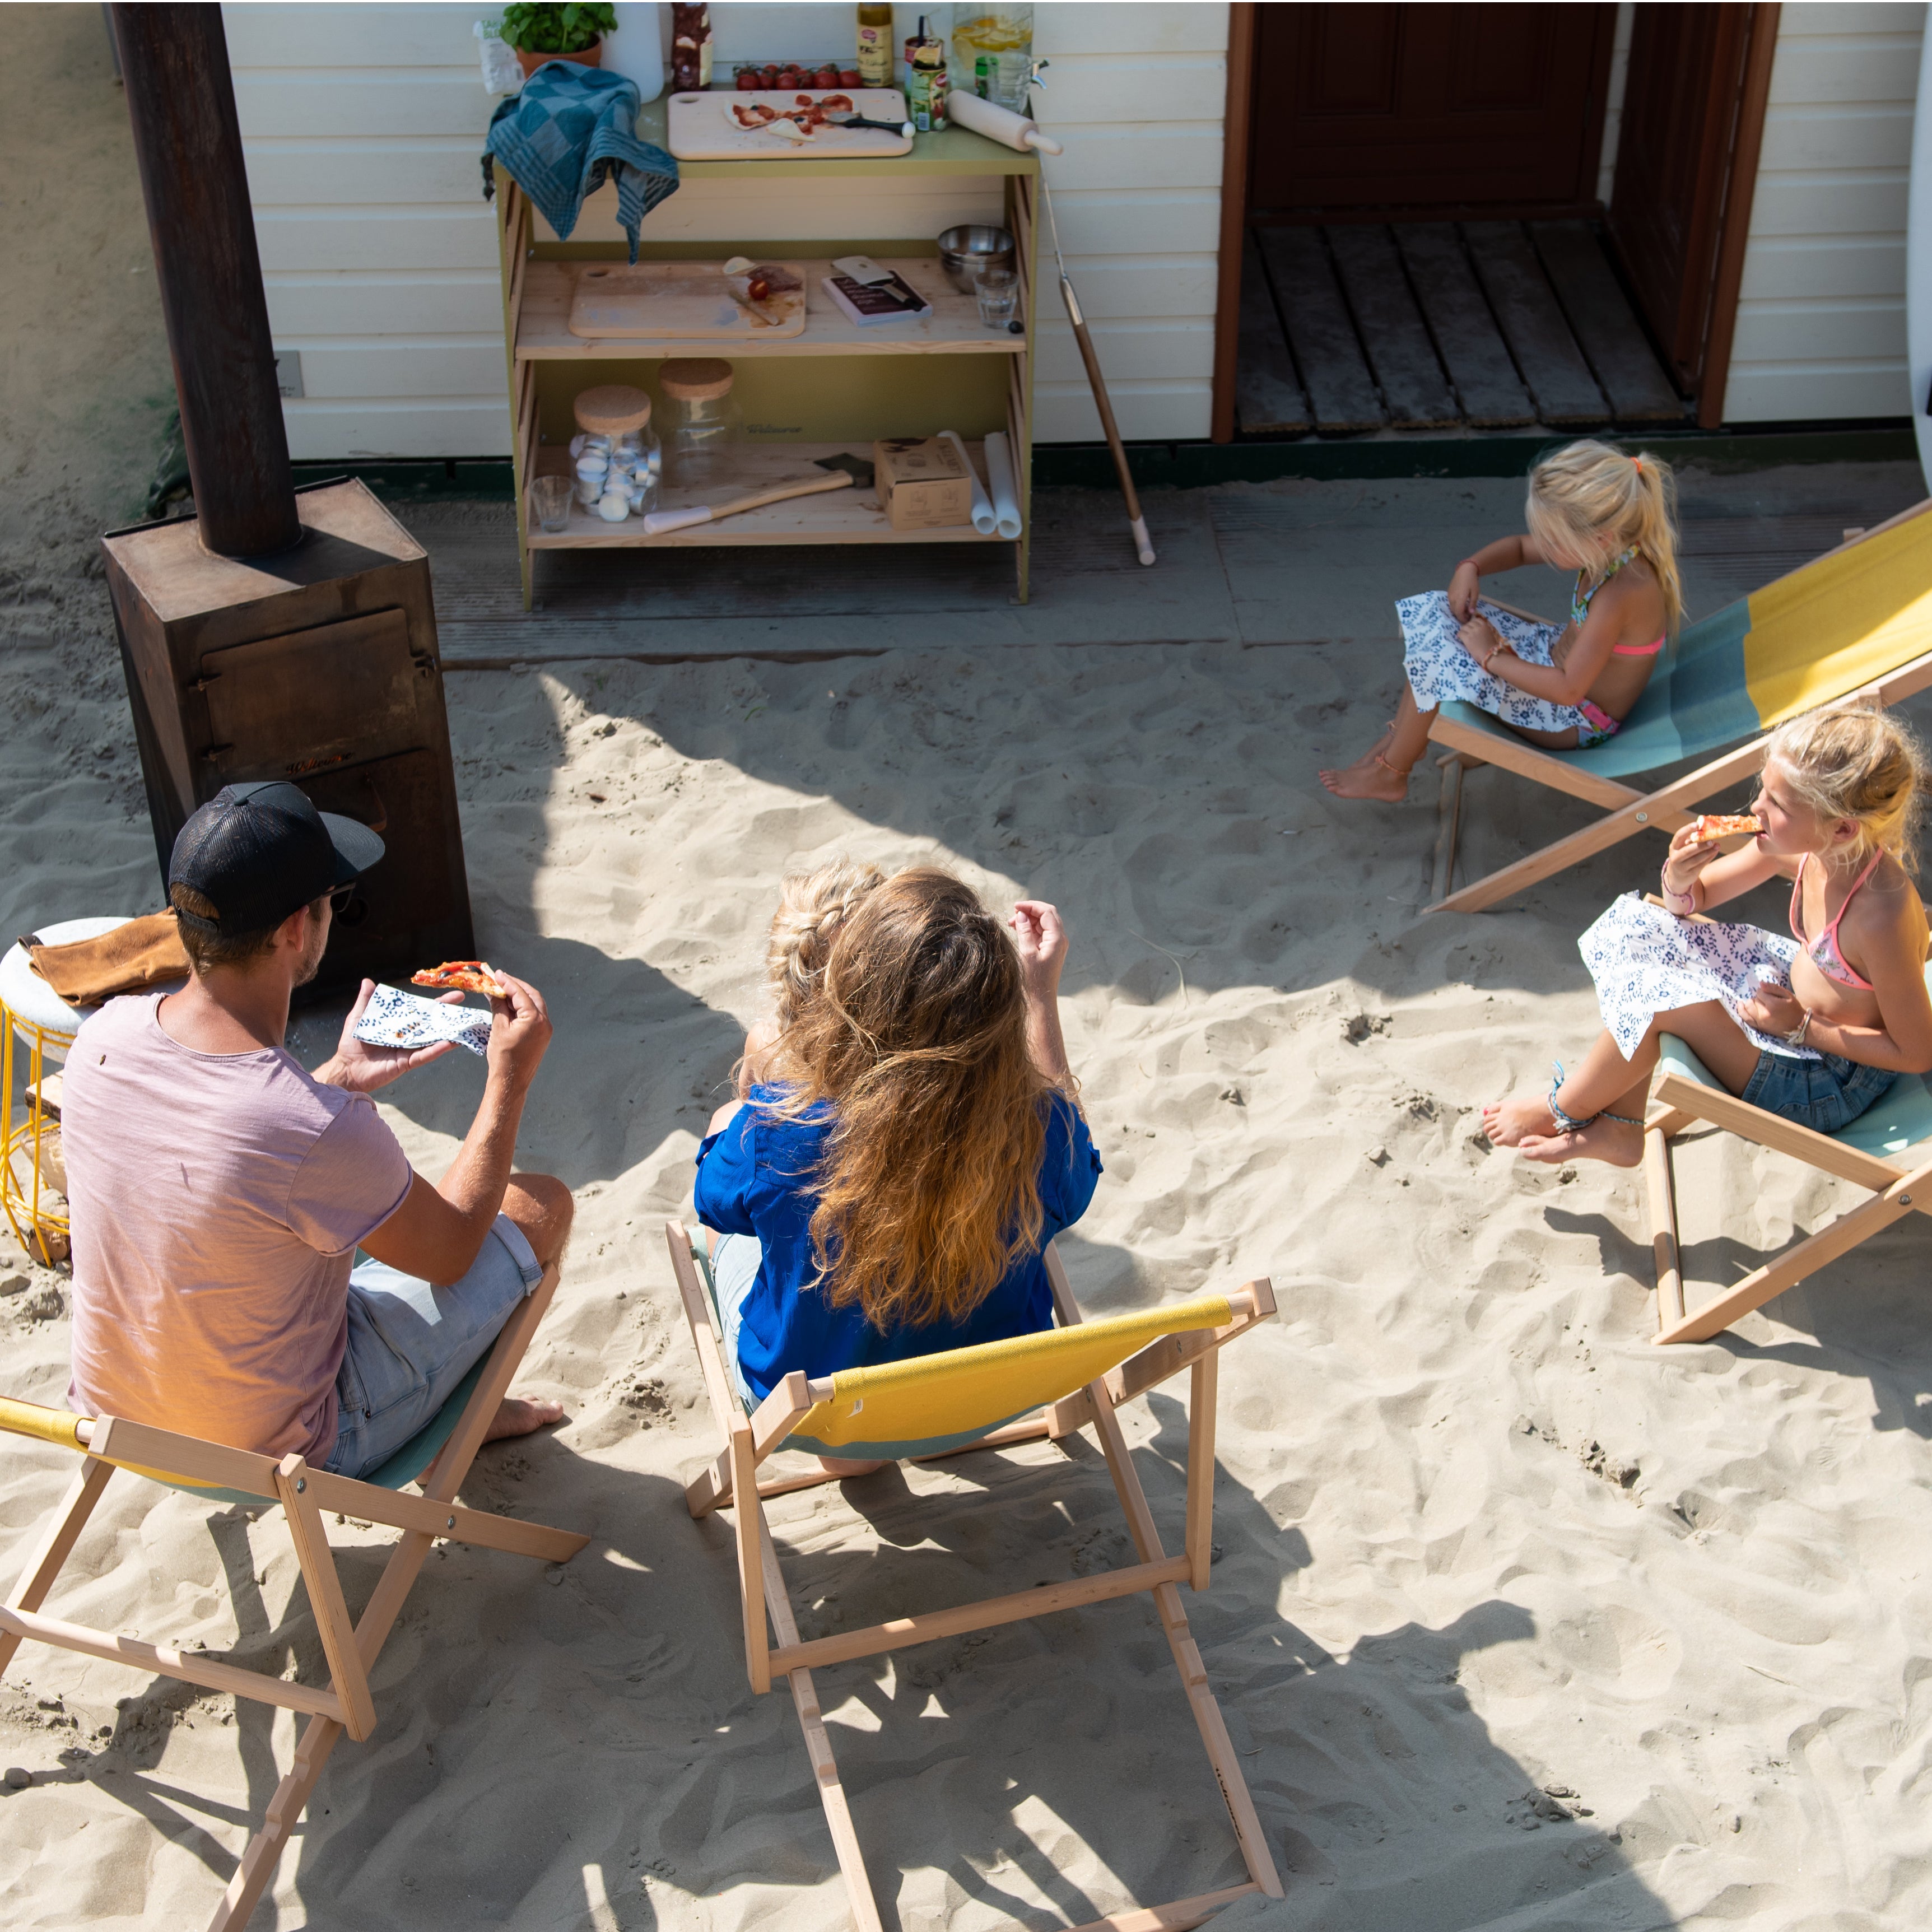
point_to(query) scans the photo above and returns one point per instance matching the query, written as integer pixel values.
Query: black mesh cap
(257, 853)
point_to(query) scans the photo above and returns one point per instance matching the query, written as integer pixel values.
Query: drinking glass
(550, 499)
(997, 290)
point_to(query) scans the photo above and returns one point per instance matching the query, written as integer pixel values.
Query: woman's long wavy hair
(929, 1190)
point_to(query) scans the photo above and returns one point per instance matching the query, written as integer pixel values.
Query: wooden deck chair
(210, 1471)
(1853, 624)
(999, 1393)
(1887, 1149)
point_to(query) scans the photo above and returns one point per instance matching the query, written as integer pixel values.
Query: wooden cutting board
(702, 128)
(676, 302)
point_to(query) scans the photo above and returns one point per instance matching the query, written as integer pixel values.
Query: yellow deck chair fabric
(931, 1403)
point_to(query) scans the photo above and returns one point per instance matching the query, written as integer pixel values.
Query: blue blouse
(755, 1177)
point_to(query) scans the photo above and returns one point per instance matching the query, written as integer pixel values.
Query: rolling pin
(658, 522)
(998, 123)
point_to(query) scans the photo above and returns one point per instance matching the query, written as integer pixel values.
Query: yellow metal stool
(38, 1026)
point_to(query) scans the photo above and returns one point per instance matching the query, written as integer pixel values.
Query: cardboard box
(921, 483)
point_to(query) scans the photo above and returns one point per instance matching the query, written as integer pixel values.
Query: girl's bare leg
(1382, 771)
(1604, 1082)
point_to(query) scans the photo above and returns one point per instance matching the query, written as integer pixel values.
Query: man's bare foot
(1510, 1122)
(516, 1415)
(1369, 777)
(833, 1466)
(1615, 1143)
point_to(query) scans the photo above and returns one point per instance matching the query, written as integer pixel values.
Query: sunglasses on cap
(338, 900)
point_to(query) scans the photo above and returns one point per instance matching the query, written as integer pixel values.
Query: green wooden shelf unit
(836, 387)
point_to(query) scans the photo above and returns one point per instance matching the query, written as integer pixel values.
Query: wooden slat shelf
(837, 516)
(953, 329)
(864, 382)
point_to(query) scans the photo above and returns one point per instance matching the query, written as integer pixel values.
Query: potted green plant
(573, 33)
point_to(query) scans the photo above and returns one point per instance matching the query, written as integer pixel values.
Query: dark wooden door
(1675, 148)
(1422, 110)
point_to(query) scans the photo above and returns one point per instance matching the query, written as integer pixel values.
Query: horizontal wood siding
(1821, 315)
(363, 126)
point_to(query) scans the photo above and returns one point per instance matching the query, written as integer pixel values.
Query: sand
(1478, 1541)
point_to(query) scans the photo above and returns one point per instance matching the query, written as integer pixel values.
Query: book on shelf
(867, 304)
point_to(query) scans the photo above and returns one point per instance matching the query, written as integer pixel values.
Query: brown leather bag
(145, 952)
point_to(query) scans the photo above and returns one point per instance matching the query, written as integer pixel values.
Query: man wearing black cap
(219, 1192)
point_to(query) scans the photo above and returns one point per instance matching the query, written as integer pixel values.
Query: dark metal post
(174, 60)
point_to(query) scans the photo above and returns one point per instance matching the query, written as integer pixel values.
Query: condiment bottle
(875, 45)
(925, 90)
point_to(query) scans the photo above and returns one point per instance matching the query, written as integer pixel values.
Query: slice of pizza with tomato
(461, 976)
(1713, 825)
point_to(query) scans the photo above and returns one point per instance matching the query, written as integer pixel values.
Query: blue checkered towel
(565, 134)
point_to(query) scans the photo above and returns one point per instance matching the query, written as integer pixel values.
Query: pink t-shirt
(216, 1201)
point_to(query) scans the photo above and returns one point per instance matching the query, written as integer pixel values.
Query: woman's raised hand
(1464, 587)
(1043, 944)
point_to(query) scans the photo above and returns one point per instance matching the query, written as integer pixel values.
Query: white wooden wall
(363, 125)
(1821, 315)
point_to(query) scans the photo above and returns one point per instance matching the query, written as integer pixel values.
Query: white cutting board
(703, 128)
(676, 301)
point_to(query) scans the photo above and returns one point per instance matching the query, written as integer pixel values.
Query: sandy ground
(1476, 1538)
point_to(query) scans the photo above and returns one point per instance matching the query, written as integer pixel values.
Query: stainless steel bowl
(964, 251)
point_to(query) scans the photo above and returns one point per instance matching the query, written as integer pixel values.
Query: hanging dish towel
(567, 132)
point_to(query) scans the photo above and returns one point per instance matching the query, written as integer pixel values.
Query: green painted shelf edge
(951, 151)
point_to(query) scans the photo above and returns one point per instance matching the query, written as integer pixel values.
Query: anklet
(1568, 1123)
(1393, 771)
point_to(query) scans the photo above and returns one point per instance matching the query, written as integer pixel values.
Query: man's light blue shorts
(410, 1344)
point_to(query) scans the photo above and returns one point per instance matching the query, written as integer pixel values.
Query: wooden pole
(188, 143)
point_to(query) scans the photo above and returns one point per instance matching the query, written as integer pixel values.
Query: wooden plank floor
(1440, 325)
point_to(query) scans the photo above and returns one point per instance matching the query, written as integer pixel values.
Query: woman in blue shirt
(893, 1196)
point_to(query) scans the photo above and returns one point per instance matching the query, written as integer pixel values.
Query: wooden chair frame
(1627, 811)
(1678, 1101)
(751, 1440)
(350, 1648)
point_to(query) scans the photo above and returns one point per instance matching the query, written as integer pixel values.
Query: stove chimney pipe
(187, 142)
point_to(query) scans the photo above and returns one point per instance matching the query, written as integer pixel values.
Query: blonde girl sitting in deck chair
(1815, 1028)
(891, 1191)
(1592, 509)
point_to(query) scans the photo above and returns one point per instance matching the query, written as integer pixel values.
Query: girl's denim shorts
(1824, 1094)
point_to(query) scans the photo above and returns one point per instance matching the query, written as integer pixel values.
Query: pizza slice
(461, 976)
(1711, 826)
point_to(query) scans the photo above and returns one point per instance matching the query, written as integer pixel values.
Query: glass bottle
(875, 45)
(702, 422)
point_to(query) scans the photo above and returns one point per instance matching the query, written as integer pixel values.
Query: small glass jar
(702, 422)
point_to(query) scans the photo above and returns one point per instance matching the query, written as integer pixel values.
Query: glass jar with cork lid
(702, 421)
(618, 453)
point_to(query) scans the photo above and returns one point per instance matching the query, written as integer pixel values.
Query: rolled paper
(984, 520)
(1000, 477)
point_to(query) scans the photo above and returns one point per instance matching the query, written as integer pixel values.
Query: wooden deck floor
(1440, 326)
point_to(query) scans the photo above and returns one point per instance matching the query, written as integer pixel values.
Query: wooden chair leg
(1664, 1246)
(1207, 1718)
(256, 1871)
(818, 1747)
(1900, 1198)
(316, 1562)
(55, 1547)
(1203, 1390)
(749, 1522)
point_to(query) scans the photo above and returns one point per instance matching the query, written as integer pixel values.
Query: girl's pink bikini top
(1579, 608)
(1824, 954)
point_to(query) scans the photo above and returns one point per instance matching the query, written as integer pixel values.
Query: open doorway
(1430, 230)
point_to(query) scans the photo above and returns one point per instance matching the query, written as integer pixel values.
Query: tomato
(850, 76)
(825, 76)
(747, 81)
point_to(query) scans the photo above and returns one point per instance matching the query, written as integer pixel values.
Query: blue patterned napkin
(393, 1017)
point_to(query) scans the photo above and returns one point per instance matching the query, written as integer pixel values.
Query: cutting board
(702, 128)
(676, 302)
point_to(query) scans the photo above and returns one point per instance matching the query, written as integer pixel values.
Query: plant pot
(590, 56)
